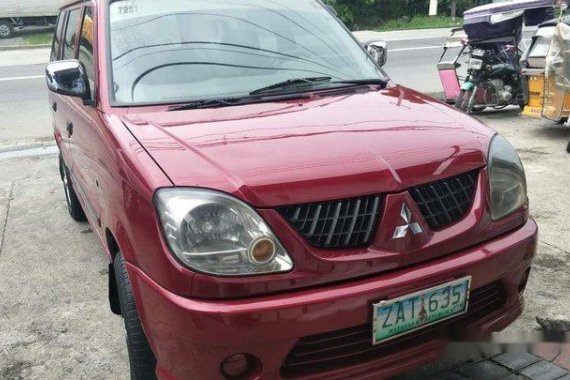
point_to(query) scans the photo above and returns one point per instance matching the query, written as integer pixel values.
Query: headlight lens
(217, 234)
(507, 177)
(475, 64)
(478, 53)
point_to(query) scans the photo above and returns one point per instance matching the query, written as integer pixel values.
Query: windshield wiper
(208, 103)
(228, 102)
(271, 93)
(291, 84)
(372, 81)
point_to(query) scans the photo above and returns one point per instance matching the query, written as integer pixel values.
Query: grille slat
(375, 203)
(331, 230)
(347, 223)
(445, 202)
(332, 350)
(353, 219)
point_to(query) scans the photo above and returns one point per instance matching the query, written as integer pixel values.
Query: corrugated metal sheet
(29, 8)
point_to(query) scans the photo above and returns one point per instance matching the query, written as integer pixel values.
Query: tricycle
(489, 46)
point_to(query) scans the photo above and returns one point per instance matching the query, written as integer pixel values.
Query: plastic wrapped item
(557, 76)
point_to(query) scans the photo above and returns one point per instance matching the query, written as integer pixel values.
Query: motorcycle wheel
(462, 103)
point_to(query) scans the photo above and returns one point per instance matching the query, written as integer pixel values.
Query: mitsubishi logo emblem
(402, 231)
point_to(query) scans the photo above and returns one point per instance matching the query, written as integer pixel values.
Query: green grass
(38, 38)
(419, 22)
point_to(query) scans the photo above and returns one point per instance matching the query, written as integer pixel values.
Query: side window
(57, 37)
(86, 48)
(71, 34)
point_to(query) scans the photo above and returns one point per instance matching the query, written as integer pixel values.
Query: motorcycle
(491, 51)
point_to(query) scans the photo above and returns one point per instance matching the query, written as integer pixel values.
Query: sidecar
(545, 72)
(452, 66)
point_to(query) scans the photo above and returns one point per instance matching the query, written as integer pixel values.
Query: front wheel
(462, 102)
(6, 29)
(141, 357)
(73, 205)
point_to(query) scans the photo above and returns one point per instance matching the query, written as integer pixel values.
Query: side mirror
(68, 78)
(378, 50)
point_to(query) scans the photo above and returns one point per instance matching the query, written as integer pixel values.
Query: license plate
(400, 316)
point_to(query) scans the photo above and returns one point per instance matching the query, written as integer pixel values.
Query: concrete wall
(29, 8)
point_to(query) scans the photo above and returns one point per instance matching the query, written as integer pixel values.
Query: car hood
(316, 149)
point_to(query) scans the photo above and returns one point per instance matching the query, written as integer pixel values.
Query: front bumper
(191, 338)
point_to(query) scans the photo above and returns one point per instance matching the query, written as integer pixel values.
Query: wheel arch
(116, 241)
(113, 249)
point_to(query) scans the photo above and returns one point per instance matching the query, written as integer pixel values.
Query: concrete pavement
(54, 318)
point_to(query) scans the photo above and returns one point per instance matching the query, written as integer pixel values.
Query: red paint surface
(269, 326)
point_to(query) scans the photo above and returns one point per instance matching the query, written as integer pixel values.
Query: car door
(62, 105)
(84, 117)
(56, 101)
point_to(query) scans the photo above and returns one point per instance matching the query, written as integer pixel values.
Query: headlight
(478, 53)
(475, 64)
(507, 177)
(217, 234)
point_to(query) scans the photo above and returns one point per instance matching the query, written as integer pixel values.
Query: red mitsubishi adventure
(271, 204)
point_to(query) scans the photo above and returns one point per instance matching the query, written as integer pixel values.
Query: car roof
(67, 3)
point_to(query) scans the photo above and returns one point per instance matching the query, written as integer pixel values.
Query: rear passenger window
(57, 37)
(86, 48)
(71, 34)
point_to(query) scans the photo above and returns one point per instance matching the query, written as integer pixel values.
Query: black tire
(141, 358)
(459, 102)
(462, 103)
(478, 109)
(568, 147)
(73, 205)
(6, 30)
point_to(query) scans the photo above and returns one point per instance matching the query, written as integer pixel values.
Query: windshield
(178, 50)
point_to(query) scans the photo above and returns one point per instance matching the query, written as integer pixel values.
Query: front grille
(447, 201)
(334, 350)
(348, 223)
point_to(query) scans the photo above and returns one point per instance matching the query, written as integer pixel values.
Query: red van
(271, 204)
